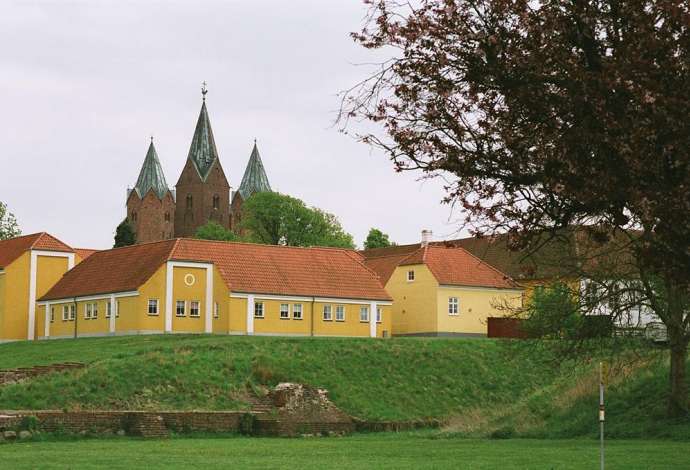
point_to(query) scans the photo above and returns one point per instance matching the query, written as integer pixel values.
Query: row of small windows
(327, 313)
(69, 312)
(182, 308)
(134, 216)
(189, 200)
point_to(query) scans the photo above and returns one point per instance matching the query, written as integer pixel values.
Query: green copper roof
(151, 176)
(203, 149)
(254, 179)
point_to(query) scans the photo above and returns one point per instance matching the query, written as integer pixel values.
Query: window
(52, 314)
(194, 308)
(453, 306)
(180, 308)
(258, 310)
(87, 311)
(167, 216)
(65, 312)
(339, 313)
(364, 314)
(216, 202)
(379, 315)
(297, 311)
(134, 216)
(153, 306)
(410, 276)
(327, 313)
(94, 311)
(190, 201)
(108, 309)
(72, 312)
(117, 309)
(216, 313)
(285, 311)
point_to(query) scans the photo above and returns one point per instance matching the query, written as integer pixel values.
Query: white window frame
(108, 309)
(296, 310)
(453, 306)
(87, 311)
(410, 275)
(286, 311)
(72, 312)
(216, 310)
(65, 313)
(341, 309)
(259, 311)
(364, 310)
(184, 308)
(379, 315)
(156, 304)
(198, 309)
(52, 314)
(94, 311)
(329, 309)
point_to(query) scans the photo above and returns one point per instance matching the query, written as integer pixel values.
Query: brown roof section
(116, 270)
(13, 248)
(383, 261)
(245, 267)
(283, 270)
(84, 253)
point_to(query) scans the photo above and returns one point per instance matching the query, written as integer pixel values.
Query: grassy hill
(482, 387)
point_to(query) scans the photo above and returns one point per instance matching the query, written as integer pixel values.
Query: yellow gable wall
(134, 315)
(188, 293)
(414, 302)
(475, 305)
(16, 302)
(49, 270)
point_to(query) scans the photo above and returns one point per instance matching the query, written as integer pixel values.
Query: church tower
(151, 205)
(253, 181)
(203, 192)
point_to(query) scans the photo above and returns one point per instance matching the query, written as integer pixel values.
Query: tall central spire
(203, 151)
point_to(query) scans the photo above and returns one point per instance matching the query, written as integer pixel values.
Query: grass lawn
(359, 451)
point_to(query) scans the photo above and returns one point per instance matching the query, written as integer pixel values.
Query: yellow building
(442, 291)
(29, 266)
(199, 286)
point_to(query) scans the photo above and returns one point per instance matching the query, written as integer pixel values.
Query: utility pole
(601, 413)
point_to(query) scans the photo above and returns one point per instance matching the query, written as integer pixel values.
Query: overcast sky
(84, 84)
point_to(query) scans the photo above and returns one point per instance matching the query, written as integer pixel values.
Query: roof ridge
(359, 259)
(236, 242)
(168, 240)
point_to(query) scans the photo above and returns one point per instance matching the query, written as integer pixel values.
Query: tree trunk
(678, 398)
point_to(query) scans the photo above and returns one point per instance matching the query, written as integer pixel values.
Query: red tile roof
(116, 270)
(449, 265)
(84, 253)
(13, 248)
(283, 270)
(248, 268)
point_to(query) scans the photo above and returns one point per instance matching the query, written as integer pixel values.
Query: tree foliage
(124, 235)
(547, 115)
(214, 231)
(376, 239)
(277, 219)
(9, 228)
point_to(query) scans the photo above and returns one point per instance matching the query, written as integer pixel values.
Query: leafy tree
(376, 239)
(214, 231)
(9, 228)
(274, 218)
(124, 235)
(546, 115)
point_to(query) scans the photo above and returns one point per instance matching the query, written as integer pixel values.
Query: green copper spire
(203, 151)
(254, 179)
(151, 175)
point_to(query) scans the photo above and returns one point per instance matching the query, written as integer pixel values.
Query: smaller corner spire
(204, 90)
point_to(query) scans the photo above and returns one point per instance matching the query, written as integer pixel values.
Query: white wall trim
(372, 319)
(169, 274)
(113, 314)
(289, 298)
(498, 289)
(86, 298)
(332, 300)
(250, 314)
(208, 327)
(46, 328)
(33, 266)
(168, 296)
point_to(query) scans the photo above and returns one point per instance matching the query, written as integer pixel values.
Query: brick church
(202, 192)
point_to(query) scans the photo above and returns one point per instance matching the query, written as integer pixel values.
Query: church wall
(148, 216)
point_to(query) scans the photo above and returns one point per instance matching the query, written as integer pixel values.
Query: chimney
(426, 237)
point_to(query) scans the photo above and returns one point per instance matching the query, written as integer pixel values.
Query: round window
(189, 279)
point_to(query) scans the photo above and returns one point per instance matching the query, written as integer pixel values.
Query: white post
(46, 333)
(113, 312)
(168, 296)
(32, 295)
(209, 300)
(250, 314)
(372, 320)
